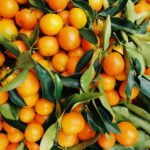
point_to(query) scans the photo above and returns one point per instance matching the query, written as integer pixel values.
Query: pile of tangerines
(59, 48)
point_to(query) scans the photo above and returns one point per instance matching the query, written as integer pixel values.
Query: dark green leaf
(25, 61)
(58, 88)
(49, 137)
(46, 82)
(113, 10)
(85, 59)
(89, 35)
(8, 45)
(25, 38)
(87, 78)
(16, 99)
(34, 35)
(125, 25)
(15, 82)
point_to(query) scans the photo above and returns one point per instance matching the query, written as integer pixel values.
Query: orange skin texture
(142, 6)
(32, 146)
(147, 71)
(26, 18)
(86, 45)
(73, 123)
(21, 1)
(66, 140)
(12, 146)
(8, 128)
(134, 92)
(38, 13)
(2, 59)
(79, 52)
(87, 133)
(51, 24)
(112, 97)
(72, 63)
(36, 56)
(98, 27)
(33, 132)
(121, 76)
(59, 61)
(40, 118)
(78, 108)
(128, 135)
(106, 142)
(48, 46)
(57, 4)
(65, 16)
(3, 97)
(27, 32)
(3, 141)
(96, 4)
(113, 64)
(8, 8)
(69, 38)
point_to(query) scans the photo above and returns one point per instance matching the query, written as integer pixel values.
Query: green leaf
(89, 35)
(83, 145)
(16, 99)
(87, 78)
(125, 25)
(15, 82)
(58, 88)
(88, 10)
(114, 10)
(21, 146)
(46, 82)
(107, 33)
(25, 38)
(9, 45)
(129, 12)
(79, 98)
(25, 61)
(84, 60)
(49, 137)
(121, 147)
(34, 35)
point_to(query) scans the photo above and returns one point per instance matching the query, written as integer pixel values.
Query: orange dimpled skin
(86, 45)
(12, 146)
(21, 1)
(8, 8)
(33, 132)
(3, 97)
(73, 123)
(65, 16)
(57, 4)
(2, 59)
(106, 142)
(26, 18)
(96, 4)
(8, 128)
(113, 64)
(128, 135)
(32, 145)
(48, 46)
(51, 24)
(3, 141)
(69, 38)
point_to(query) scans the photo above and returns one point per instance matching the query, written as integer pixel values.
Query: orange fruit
(44, 107)
(65, 16)
(32, 146)
(147, 71)
(12, 146)
(106, 142)
(108, 82)
(69, 38)
(8, 128)
(27, 88)
(8, 8)
(3, 97)
(65, 74)
(26, 18)
(21, 1)
(128, 135)
(73, 123)
(48, 46)
(27, 32)
(98, 26)
(134, 92)
(96, 4)
(44, 63)
(15, 137)
(86, 45)
(36, 56)
(78, 108)
(51, 24)
(79, 52)
(1, 126)
(2, 59)
(57, 4)
(31, 100)
(26, 115)
(142, 7)
(72, 63)
(121, 76)
(112, 97)
(59, 61)
(38, 13)
(33, 132)
(8, 29)
(66, 140)
(77, 18)
(40, 118)
(87, 133)
(113, 64)
(3, 141)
